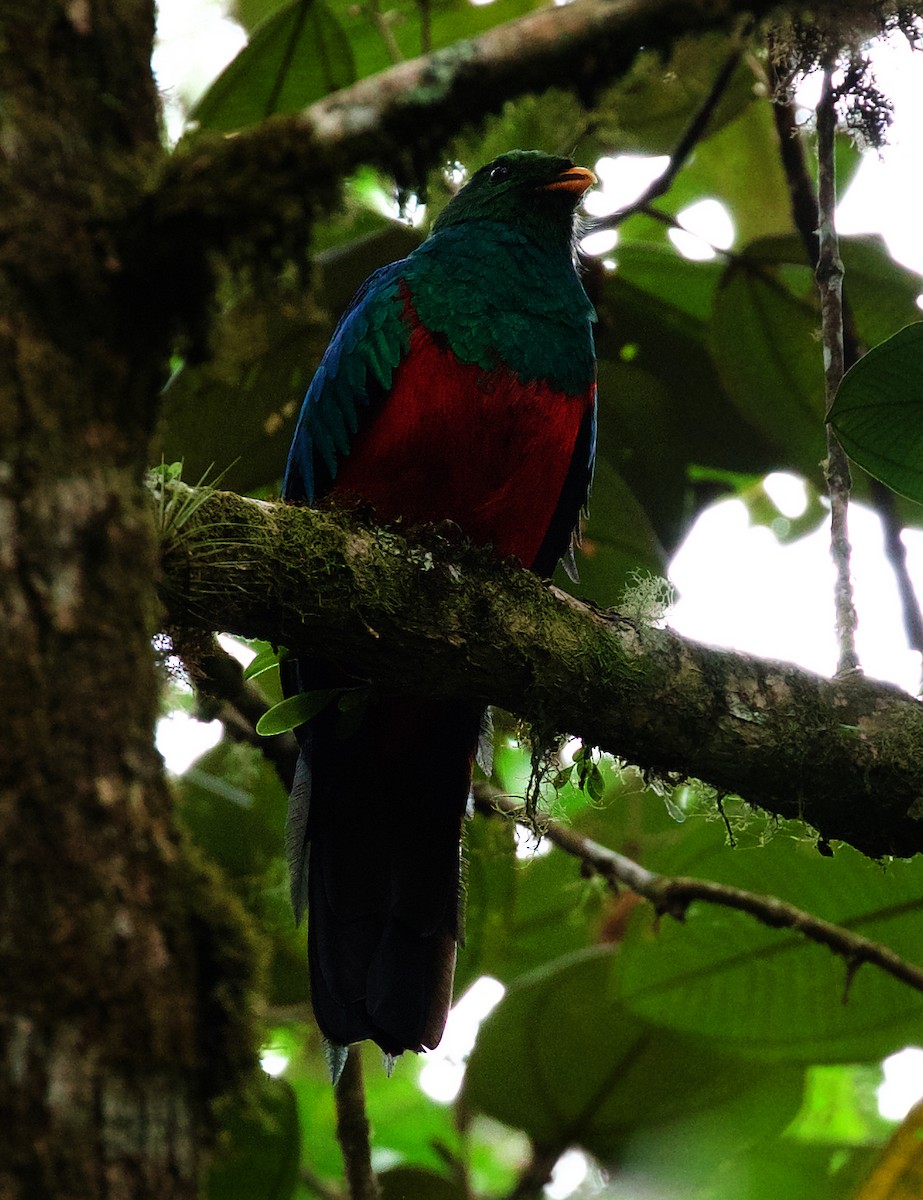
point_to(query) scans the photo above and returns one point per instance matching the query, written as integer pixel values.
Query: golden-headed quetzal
(458, 386)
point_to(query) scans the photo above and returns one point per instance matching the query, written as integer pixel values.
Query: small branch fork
(693, 134)
(829, 276)
(672, 895)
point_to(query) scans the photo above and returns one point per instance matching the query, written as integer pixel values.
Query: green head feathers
(524, 189)
(497, 279)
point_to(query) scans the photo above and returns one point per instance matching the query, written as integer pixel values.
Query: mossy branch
(221, 191)
(434, 617)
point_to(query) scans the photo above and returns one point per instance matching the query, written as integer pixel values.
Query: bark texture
(428, 618)
(114, 945)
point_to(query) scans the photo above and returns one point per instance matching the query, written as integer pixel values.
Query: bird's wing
(354, 374)
(564, 529)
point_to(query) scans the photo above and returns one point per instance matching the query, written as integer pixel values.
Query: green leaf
(723, 974)
(520, 912)
(662, 405)
(562, 1058)
(251, 12)
(765, 335)
(264, 661)
(878, 412)
(294, 711)
(298, 54)
(663, 273)
(881, 293)
(449, 21)
(655, 102)
(739, 165)
(783, 1167)
(764, 340)
(165, 472)
(233, 803)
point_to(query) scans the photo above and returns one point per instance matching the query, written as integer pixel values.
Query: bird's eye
(499, 173)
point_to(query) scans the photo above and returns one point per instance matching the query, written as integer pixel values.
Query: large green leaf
(740, 166)
(562, 1058)
(522, 913)
(296, 55)
(661, 272)
(663, 407)
(652, 106)
(878, 412)
(882, 294)
(293, 711)
(764, 340)
(721, 974)
(765, 334)
(618, 540)
(448, 21)
(251, 12)
(232, 802)
(768, 993)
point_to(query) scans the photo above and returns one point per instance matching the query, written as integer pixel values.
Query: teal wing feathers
(356, 371)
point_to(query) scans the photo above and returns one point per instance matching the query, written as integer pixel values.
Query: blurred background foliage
(710, 1060)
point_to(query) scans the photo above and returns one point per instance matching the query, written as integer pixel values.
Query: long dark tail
(376, 817)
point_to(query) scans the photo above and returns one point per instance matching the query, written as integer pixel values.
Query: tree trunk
(113, 1035)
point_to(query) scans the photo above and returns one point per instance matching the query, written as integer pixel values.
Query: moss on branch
(261, 186)
(438, 617)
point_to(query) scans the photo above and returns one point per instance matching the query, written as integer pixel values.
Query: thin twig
(829, 275)
(385, 32)
(672, 895)
(426, 26)
(896, 553)
(804, 213)
(225, 695)
(353, 1130)
(693, 134)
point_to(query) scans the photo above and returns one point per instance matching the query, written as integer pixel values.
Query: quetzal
(458, 386)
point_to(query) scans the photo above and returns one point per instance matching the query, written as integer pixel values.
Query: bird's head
(524, 189)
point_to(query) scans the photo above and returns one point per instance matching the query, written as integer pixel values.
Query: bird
(459, 386)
